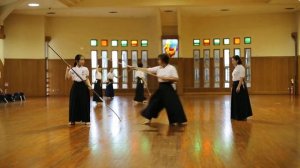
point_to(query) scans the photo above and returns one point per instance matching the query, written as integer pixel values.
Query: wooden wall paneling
(222, 72)
(26, 75)
(211, 72)
(2, 75)
(291, 68)
(59, 86)
(130, 74)
(298, 83)
(201, 61)
(152, 81)
(271, 75)
(179, 64)
(120, 73)
(187, 72)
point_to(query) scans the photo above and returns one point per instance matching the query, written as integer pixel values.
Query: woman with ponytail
(79, 105)
(240, 102)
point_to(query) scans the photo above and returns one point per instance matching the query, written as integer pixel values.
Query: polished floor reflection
(35, 134)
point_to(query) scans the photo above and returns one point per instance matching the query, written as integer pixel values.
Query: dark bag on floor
(17, 96)
(9, 97)
(3, 99)
(23, 95)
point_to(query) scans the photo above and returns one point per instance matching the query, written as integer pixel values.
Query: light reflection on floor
(210, 139)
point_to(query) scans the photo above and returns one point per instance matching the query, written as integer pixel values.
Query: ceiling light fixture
(224, 10)
(51, 13)
(33, 4)
(289, 8)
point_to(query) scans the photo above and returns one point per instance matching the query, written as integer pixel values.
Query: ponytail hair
(238, 59)
(164, 58)
(140, 64)
(77, 58)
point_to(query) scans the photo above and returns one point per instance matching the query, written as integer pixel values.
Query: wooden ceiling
(144, 8)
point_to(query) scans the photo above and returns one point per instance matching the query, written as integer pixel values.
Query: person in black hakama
(109, 91)
(240, 101)
(165, 96)
(140, 82)
(98, 86)
(79, 105)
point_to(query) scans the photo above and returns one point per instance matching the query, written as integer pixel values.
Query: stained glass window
(104, 67)
(144, 43)
(236, 40)
(94, 64)
(247, 40)
(104, 43)
(134, 43)
(226, 41)
(115, 63)
(196, 42)
(217, 68)
(206, 42)
(196, 68)
(248, 66)
(134, 59)
(94, 42)
(114, 43)
(217, 41)
(124, 43)
(227, 68)
(206, 68)
(145, 61)
(145, 58)
(237, 52)
(124, 70)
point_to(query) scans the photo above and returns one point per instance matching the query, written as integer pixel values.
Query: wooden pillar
(180, 69)
(2, 34)
(295, 75)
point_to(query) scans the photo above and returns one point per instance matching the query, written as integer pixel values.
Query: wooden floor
(36, 134)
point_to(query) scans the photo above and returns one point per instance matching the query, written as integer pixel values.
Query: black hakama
(79, 109)
(165, 97)
(98, 90)
(240, 103)
(109, 91)
(139, 91)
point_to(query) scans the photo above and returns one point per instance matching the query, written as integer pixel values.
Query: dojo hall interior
(204, 35)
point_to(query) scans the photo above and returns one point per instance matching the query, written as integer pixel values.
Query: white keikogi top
(82, 71)
(110, 75)
(167, 71)
(98, 75)
(139, 74)
(238, 73)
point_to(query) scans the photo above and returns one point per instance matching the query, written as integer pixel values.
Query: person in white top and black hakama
(98, 86)
(109, 91)
(240, 101)
(140, 82)
(165, 96)
(79, 106)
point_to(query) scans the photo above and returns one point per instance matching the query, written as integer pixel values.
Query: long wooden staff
(85, 83)
(140, 69)
(147, 87)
